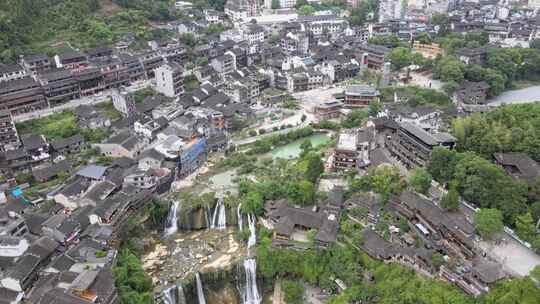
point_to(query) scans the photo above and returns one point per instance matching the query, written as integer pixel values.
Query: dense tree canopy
(488, 223)
(511, 128)
(420, 180)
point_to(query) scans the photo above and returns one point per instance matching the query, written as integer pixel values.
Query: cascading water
(169, 295)
(219, 218)
(207, 216)
(251, 292)
(252, 233)
(172, 219)
(200, 292)
(239, 215)
(174, 295)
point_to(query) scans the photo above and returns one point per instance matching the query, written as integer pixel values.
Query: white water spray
(252, 233)
(239, 215)
(169, 296)
(172, 219)
(200, 292)
(219, 218)
(174, 295)
(251, 293)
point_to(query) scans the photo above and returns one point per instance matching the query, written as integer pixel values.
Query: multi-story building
(353, 149)
(115, 74)
(9, 138)
(224, 64)
(373, 56)
(413, 146)
(328, 110)
(59, 85)
(71, 60)
(170, 80)
(323, 24)
(36, 63)
(193, 154)
(472, 56)
(11, 72)
(123, 102)
(295, 43)
(254, 34)
(390, 9)
(133, 67)
(150, 61)
(346, 155)
(473, 93)
(91, 81)
(22, 96)
(360, 95)
(297, 82)
(242, 9)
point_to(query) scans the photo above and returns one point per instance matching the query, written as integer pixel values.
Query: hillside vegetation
(28, 26)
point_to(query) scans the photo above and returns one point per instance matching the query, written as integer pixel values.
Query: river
(526, 95)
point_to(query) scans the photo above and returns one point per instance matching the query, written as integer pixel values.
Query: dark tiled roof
(51, 171)
(66, 142)
(33, 142)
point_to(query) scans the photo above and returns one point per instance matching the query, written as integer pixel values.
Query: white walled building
(170, 80)
(123, 102)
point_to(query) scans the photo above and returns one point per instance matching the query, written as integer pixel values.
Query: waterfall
(169, 296)
(219, 218)
(252, 233)
(172, 219)
(174, 295)
(251, 292)
(207, 216)
(239, 215)
(200, 292)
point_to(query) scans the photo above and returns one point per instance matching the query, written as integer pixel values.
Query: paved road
(89, 100)
(527, 95)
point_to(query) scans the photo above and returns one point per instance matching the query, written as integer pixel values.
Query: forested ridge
(32, 26)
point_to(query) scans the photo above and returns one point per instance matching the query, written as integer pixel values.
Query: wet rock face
(219, 287)
(199, 218)
(227, 295)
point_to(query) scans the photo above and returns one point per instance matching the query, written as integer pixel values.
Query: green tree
(188, 39)
(252, 202)
(450, 69)
(400, 57)
(424, 38)
(450, 87)
(385, 180)
(420, 180)
(437, 260)
(355, 118)
(374, 108)
(302, 192)
(306, 145)
(488, 222)
(315, 166)
(293, 291)
(450, 200)
(442, 22)
(275, 4)
(535, 273)
(306, 10)
(526, 227)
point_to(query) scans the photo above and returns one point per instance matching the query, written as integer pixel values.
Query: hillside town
(277, 151)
